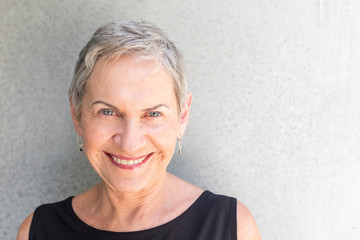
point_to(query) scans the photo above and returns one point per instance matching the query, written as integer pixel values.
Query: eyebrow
(105, 103)
(145, 110)
(155, 107)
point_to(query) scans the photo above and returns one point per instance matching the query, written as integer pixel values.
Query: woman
(129, 106)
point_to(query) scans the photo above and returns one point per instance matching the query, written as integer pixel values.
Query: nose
(131, 137)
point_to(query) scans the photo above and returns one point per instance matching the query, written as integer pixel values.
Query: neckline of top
(136, 234)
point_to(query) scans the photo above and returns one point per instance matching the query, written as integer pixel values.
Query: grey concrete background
(275, 119)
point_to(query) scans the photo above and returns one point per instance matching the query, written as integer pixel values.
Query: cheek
(96, 134)
(99, 135)
(164, 138)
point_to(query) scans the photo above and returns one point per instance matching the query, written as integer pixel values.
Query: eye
(107, 112)
(154, 114)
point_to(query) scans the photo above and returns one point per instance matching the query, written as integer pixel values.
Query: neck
(131, 210)
(127, 200)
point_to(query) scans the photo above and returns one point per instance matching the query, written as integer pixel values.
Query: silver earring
(79, 142)
(179, 145)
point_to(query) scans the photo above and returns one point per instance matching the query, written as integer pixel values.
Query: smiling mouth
(128, 163)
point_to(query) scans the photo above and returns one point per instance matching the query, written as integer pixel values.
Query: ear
(185, 114)
(75, 119)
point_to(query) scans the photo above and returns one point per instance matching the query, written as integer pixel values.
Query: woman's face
(130, 121)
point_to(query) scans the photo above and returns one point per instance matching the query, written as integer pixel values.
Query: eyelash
(158, 114)
(106, 112)
(109, 112)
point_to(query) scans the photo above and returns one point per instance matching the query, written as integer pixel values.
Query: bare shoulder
(23, 232)
(246, 225)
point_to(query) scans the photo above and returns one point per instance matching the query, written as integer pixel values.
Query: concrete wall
(275, 120)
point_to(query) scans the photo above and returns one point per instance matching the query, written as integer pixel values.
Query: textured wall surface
(275, 119)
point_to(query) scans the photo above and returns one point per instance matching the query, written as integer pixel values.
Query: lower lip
(129, 167)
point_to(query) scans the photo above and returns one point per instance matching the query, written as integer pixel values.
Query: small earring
(179, 145)
(79, 142)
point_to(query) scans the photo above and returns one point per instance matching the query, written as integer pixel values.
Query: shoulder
(43, 214)
(23, 232)
(246, 225)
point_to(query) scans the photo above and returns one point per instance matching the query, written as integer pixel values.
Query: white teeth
(128, 162)
(123, 162)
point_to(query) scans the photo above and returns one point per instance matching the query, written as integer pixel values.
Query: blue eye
(107, 112)
(154, 114)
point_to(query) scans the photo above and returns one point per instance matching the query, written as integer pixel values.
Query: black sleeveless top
(210, 217)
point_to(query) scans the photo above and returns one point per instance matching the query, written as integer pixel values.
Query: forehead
(130, 77)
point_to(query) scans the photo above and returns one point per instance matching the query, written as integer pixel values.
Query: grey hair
(126, 38)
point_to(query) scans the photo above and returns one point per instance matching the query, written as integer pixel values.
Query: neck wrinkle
(128, 208)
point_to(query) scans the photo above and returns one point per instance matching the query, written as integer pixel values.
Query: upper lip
(127, 158)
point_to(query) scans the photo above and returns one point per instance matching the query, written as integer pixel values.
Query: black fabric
(211, 217)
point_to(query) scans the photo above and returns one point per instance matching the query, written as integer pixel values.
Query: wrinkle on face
(131, 87)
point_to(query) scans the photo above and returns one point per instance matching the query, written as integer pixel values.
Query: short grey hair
(126, 38)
